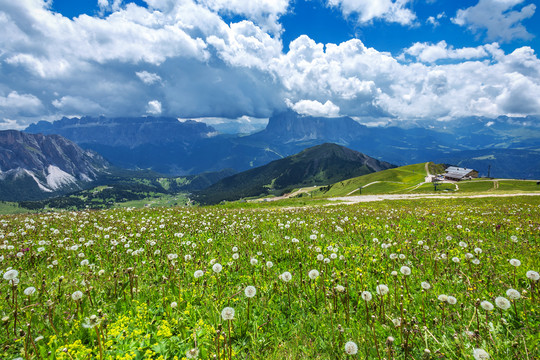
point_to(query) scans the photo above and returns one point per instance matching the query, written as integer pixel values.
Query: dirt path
(371, 198)
(365, 186)
(287, 196)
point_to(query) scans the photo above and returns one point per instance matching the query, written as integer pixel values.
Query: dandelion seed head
(192, 353)
(174, 304)
(382, 289)
(250, 291)
(77, 295)
(515, 262)
(227, 313)
(486, 305)
(197, 274)
(217, 268)
(480, 354)
(502, 303)
(532, 275)
(286, 276)
(340, 288)
(451, 300)
(513, 294)
(29, 291)
(11, 274)
(425, 285)
(351, 348)
(269, 264)
(366, 295)
(254, 261)
(405, 270)
(313, 274)
(443, 298)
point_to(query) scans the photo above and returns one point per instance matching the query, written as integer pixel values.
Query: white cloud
(315, 108)
(148, 78)
(369, 10)
(499, 19)
(22, 104)
(77, 105)
(431, 53)
(154, 107)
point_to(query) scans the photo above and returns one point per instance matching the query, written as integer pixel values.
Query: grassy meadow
(416, 279)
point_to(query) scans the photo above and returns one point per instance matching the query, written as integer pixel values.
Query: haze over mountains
(172, 147)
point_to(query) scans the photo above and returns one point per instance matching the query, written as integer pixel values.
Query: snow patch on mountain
(58, 178)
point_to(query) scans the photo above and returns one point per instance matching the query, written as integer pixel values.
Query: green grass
(135, 271)
(11, 208)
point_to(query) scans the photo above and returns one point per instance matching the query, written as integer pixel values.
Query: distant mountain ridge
(318, 165)
(171, 147)
(36, 165)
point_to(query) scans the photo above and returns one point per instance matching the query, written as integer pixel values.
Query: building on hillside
(455, 173)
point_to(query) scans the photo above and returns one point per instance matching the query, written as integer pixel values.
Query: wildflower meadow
(416, 279)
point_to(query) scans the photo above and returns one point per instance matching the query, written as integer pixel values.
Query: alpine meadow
(415, 279)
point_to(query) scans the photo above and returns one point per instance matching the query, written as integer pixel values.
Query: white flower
(513, 238)
(340, 288)
(254, 261)
(333, 256)
(250, 291)
(197, 274)
(217, 268)
(326, 260)
(480, 354)
(235, 249)
(478, 250)
(29, 291)
(486, 305)
(455, 259)
(402, 256)
(174, 304)
(235, 256)
(351, 348)
(513, 294)
(193, 353)
(313, 274)
(515, 262)
(269, 264)
(405, 270)
(393, 256)
(396, 322)
(393, 273)
(476, 261)
(187, 257)
(172, 256)
(469, 256)
(77, 295)
(286, 276)
(463, 244)
(451, 300)
(442, 298)
(425, 285)
(320, 257)
(227, 313)
(533, 275)
(502, 303)
(382, 289)
(85, 262)
(366, 295)
(11, 274)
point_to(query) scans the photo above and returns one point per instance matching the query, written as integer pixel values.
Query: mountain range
(175, 147)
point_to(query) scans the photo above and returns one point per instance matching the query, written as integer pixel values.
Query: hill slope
(37, 166)
(318, 165)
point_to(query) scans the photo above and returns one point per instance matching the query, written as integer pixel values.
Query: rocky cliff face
(44, 164)
(125, 132)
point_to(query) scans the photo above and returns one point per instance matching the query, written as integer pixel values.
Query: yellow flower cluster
(74, 351)
(164, 329)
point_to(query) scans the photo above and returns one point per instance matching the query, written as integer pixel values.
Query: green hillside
(397, 180)
(318, 165)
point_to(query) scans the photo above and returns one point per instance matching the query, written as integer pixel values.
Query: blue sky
(240, 61)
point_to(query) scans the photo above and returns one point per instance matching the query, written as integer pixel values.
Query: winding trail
(371, 198)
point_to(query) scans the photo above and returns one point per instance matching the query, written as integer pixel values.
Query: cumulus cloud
(315, 108)
(499, 20)
(148, 78)
(153, 107)
(368, 10)
(20, 104)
